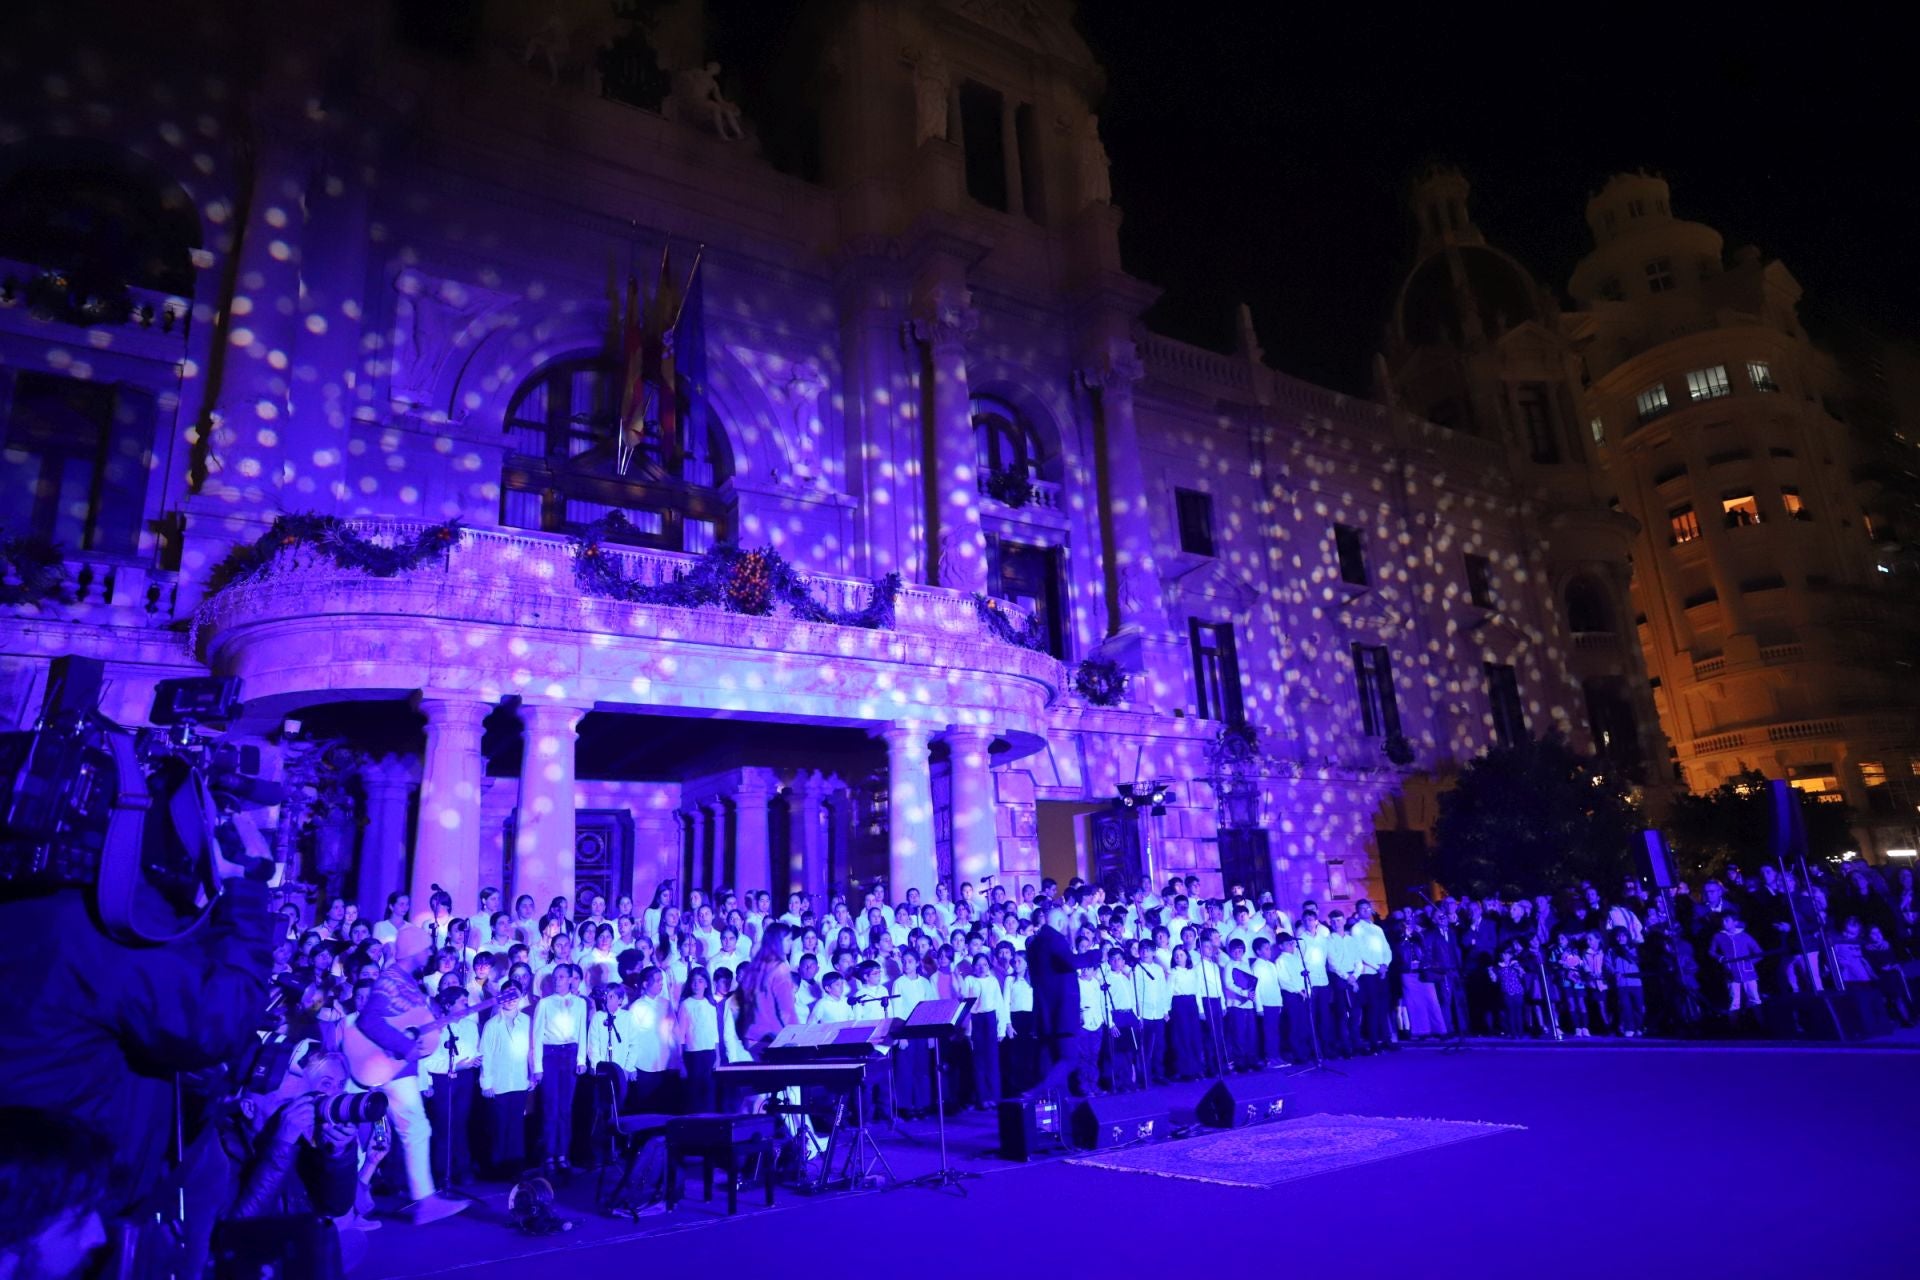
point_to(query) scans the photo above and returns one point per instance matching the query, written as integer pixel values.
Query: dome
(1502, 293)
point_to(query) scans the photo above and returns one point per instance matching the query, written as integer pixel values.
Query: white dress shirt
(503, 1054)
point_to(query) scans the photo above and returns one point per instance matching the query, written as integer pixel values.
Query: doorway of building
(1064, 838)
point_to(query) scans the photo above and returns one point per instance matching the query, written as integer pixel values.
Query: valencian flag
(654, 341)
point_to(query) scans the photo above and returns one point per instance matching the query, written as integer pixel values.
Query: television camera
(145, 818)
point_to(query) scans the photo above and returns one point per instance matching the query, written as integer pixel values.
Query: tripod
(865, 1151)
(945, 1177)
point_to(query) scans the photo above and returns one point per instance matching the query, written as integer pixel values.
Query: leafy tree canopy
(1534, 818)
(1733, 826)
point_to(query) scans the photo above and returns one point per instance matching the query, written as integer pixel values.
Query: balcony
(49, 295)
(105, 590)
(500, 612)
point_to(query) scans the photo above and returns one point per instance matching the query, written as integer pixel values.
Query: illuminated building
(1758, 526)
(370, 271)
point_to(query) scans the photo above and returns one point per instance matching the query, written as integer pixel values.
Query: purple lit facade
(388, 296)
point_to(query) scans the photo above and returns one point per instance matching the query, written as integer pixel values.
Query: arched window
(85, 212)
(1006, 441)
(562, 471)
(1587, 609)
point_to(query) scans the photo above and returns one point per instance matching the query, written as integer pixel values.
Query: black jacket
(1053, 969)
(96, 1029)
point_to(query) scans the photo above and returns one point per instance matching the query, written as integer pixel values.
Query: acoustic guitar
(372, 1066)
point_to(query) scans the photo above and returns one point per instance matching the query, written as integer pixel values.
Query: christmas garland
(1100, 681)
(750, 582)
(1009, 486)
(32, 571)
(1029, 633)
(335, 539)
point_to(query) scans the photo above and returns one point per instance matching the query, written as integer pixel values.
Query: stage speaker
(1030, 1126)
(1116, 1119)
(1229, 1104)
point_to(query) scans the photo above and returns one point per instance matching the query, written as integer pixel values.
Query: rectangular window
(1537, 419)
(74, 457)
(1659, 275)
(1708, 384)
(1503, 693)
(1373, 674)
(1684, 523)
(1026, 136)
(1760, 375)
(1636, 208)
(1349, 543)
(1195, 512)
(1790, 499)
(1652, 402)
(1599, 430)
(1818, 781)
(1480, 581)
(1740, 508)
(1216, 672)
(983, 140)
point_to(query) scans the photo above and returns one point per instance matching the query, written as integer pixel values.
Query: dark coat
(1054, 972)
(95, 1029)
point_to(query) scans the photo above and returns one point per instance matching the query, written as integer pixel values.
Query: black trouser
(1270, 1047)
(557, 1064)
(1376, 1017)
(1452, 994)
(1241, 1040)
(1299, 1041)
(450, 1110)
(1321, 1000)
(1153, 1045)
(1344, 1018)
(699, 1064)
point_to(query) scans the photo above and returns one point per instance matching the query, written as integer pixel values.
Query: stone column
(808, 844)
(446, 847)
(388, 783)
(710, 858)
(693, 834)
(976, 838)
(543, 833)
(752, 839)
(1126, 521)
(956, 546)
(910, 864)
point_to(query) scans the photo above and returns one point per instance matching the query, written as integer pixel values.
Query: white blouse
(503, 1054)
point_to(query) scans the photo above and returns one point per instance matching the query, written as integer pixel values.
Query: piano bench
(721, 1143)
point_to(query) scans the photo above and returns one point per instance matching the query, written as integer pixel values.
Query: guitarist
(396, 998)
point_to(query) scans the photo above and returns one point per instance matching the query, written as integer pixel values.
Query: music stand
(935, 1021)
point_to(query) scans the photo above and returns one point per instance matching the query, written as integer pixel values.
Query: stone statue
(932, 83)
(567, 37)
(697, 92)
(803, 392)
(1095, 185)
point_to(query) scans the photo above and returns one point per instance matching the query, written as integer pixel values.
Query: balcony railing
(50, 295)
(540, 561)
(112, 590)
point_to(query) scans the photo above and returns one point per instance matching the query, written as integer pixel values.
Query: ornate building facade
(1758, 493)
(532, 272)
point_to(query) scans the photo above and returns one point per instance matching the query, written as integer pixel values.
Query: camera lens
(353, 1108)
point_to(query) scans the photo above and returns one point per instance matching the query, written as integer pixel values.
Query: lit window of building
(1820, 782)
(1599, 430)
(1685, 523)
(1873, 773)
(1740, 508)
(1760, 374)
(1796, 507)
(1652, 402)
(1708, 384)
(1660, 275)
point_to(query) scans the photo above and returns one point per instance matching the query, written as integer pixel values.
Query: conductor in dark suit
(1053, 969)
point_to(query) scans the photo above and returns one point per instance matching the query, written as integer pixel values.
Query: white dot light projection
(411, 308)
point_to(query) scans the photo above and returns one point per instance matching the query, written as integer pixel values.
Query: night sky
(1261, 152)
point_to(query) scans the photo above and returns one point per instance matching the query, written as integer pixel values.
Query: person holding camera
(296, 1149)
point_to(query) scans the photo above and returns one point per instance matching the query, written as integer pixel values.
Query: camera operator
(96, 1028)
(295, 1150)
(134, 929)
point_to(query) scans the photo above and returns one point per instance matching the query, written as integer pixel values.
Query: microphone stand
(1319, 1063)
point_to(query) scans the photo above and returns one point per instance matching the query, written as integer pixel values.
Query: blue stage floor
(1634, 1161)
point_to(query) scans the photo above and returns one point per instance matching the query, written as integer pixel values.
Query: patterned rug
(1270, 1154)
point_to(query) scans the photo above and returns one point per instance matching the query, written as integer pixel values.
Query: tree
(1534, 818)
(1733, 826)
